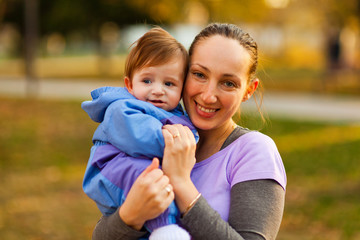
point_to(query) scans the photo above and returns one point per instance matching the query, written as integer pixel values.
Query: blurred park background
(52, 53)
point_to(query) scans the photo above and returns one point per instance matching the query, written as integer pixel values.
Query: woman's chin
(202, 124)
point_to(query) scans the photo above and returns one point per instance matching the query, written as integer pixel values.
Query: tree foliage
(66, 16)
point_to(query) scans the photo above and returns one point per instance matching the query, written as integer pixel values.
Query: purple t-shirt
(252, 156)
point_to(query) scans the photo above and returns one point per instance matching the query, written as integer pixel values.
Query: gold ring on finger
(168, 189)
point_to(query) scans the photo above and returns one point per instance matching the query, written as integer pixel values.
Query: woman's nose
(209, 94)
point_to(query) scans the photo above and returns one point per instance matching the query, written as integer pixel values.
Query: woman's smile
(205, 111)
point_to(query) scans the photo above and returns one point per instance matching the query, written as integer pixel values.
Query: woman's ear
(251, 89)
(128, 84)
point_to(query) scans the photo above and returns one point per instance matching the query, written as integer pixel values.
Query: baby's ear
(128, 84)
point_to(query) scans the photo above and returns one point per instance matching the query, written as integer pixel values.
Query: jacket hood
(101, 99)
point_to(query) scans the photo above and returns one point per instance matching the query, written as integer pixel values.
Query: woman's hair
(232, 31)
(155, 47)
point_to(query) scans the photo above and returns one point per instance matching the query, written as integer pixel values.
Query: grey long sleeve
(256, 210)
(112, 227)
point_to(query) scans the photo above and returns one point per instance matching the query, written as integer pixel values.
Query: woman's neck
(210, 141)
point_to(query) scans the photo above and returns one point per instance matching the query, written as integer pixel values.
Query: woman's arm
(255, 213)
(113, 228)
(179, 160)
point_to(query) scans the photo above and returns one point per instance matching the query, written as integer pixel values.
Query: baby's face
(159, 85)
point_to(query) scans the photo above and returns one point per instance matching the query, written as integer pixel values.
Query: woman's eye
(229, 84)
(198, 74)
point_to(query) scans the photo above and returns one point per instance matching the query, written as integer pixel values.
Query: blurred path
(307, 106)
(78, 89)
(291, 105)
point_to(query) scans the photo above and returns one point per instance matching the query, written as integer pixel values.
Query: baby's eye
(147, 81)
(169, 84)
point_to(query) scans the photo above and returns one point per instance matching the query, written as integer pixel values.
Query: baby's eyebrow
(174, 79)
(146, 72)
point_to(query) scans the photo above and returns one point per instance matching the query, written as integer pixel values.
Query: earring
(246, 97)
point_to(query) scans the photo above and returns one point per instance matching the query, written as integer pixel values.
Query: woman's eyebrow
(202, 66)
(230, 75)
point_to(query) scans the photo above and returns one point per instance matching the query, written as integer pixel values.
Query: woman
(238, 172)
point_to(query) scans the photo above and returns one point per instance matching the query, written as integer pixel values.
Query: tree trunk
(31, 40)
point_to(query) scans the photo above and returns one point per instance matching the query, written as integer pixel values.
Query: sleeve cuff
(122, 228)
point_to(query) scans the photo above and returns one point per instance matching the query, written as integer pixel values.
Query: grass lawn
(44, 148)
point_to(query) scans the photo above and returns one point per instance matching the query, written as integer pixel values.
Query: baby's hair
(156, 47)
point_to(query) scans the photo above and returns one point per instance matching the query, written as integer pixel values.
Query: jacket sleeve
(107, 196)
(109, 176)
(134, 129)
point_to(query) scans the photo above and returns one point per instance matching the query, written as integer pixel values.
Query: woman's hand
(178, 161)
(179, 152)
(150, 195)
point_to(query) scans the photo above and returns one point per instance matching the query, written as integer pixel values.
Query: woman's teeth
(207, 110)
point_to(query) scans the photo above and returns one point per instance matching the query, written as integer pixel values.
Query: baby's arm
(134, 128)
(110, 175)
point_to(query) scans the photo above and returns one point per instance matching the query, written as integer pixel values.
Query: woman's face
(217, 82)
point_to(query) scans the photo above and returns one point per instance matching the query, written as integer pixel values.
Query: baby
(131, 120)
